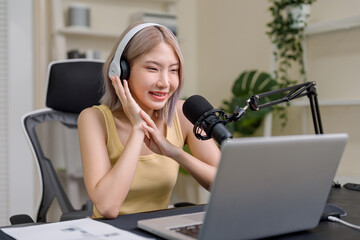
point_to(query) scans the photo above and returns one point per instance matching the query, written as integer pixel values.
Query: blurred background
(219, 40)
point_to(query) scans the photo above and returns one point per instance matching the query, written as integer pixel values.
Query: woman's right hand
(129, 105)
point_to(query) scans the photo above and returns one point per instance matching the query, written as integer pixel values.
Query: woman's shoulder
(184, 122)
(91, 113)
(91, 124)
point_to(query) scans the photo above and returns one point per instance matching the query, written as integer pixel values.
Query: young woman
(132, 144)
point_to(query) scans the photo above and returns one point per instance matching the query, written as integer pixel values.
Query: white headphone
(115, 69)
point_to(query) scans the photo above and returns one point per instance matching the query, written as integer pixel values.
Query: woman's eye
(152, 68)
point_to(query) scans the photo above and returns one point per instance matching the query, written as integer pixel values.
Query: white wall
(21, 172)
(188, 34)
(231, 38)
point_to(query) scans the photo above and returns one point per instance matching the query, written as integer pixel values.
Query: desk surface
(346, 199)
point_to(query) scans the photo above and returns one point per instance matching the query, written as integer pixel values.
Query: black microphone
(204, 117)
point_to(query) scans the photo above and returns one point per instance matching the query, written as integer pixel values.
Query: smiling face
(154, 77)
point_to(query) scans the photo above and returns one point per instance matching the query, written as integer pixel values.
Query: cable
(335, 219)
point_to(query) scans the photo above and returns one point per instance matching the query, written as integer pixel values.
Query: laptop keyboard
(191, 230)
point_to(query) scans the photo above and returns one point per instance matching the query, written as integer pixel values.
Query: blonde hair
(141, 43)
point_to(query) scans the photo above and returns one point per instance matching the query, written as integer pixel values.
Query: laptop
(264, 187)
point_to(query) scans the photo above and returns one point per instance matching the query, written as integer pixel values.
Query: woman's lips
(159, 95)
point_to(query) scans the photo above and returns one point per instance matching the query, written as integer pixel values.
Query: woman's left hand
(154, 140)
(129, 105)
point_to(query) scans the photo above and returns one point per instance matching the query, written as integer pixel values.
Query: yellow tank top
(155, 175)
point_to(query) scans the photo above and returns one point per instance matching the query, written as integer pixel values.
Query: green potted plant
(247, 84)
(287, 33)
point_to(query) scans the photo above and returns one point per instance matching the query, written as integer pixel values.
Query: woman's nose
(163, 80)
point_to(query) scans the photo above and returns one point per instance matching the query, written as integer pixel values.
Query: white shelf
(164, 1)
(328, 102)
(333, 25)
(119, 1)
(86, 32)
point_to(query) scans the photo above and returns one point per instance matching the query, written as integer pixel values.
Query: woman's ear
(125, 70)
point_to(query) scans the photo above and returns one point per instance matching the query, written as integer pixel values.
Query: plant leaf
(247, 84)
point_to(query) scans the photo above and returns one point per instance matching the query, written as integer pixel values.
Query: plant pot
(299, 14)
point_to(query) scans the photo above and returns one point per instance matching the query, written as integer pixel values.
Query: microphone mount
(294, 92)
(297, 91)
(220, 118)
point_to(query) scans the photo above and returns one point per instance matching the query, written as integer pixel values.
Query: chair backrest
(72, 86)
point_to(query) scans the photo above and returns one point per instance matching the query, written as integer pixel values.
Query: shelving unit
(333, 25)
(63, 34)
(69, 31)
(330, 102)
(340, 112)
(327, 27)
(311, 30)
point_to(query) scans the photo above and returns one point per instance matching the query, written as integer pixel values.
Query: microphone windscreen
(194, 107)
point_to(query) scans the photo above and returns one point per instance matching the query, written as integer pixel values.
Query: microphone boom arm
(211, 118)
(297, 91)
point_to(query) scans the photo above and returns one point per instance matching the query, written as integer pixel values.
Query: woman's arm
(108, 186)
(205, 155)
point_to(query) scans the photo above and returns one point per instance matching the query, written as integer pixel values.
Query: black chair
(72, 86)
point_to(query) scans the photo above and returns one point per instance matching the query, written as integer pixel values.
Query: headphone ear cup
(125, 69)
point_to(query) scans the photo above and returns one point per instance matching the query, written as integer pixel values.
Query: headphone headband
(114, 69)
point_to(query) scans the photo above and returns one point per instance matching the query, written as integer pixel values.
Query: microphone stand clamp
(206, 122)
